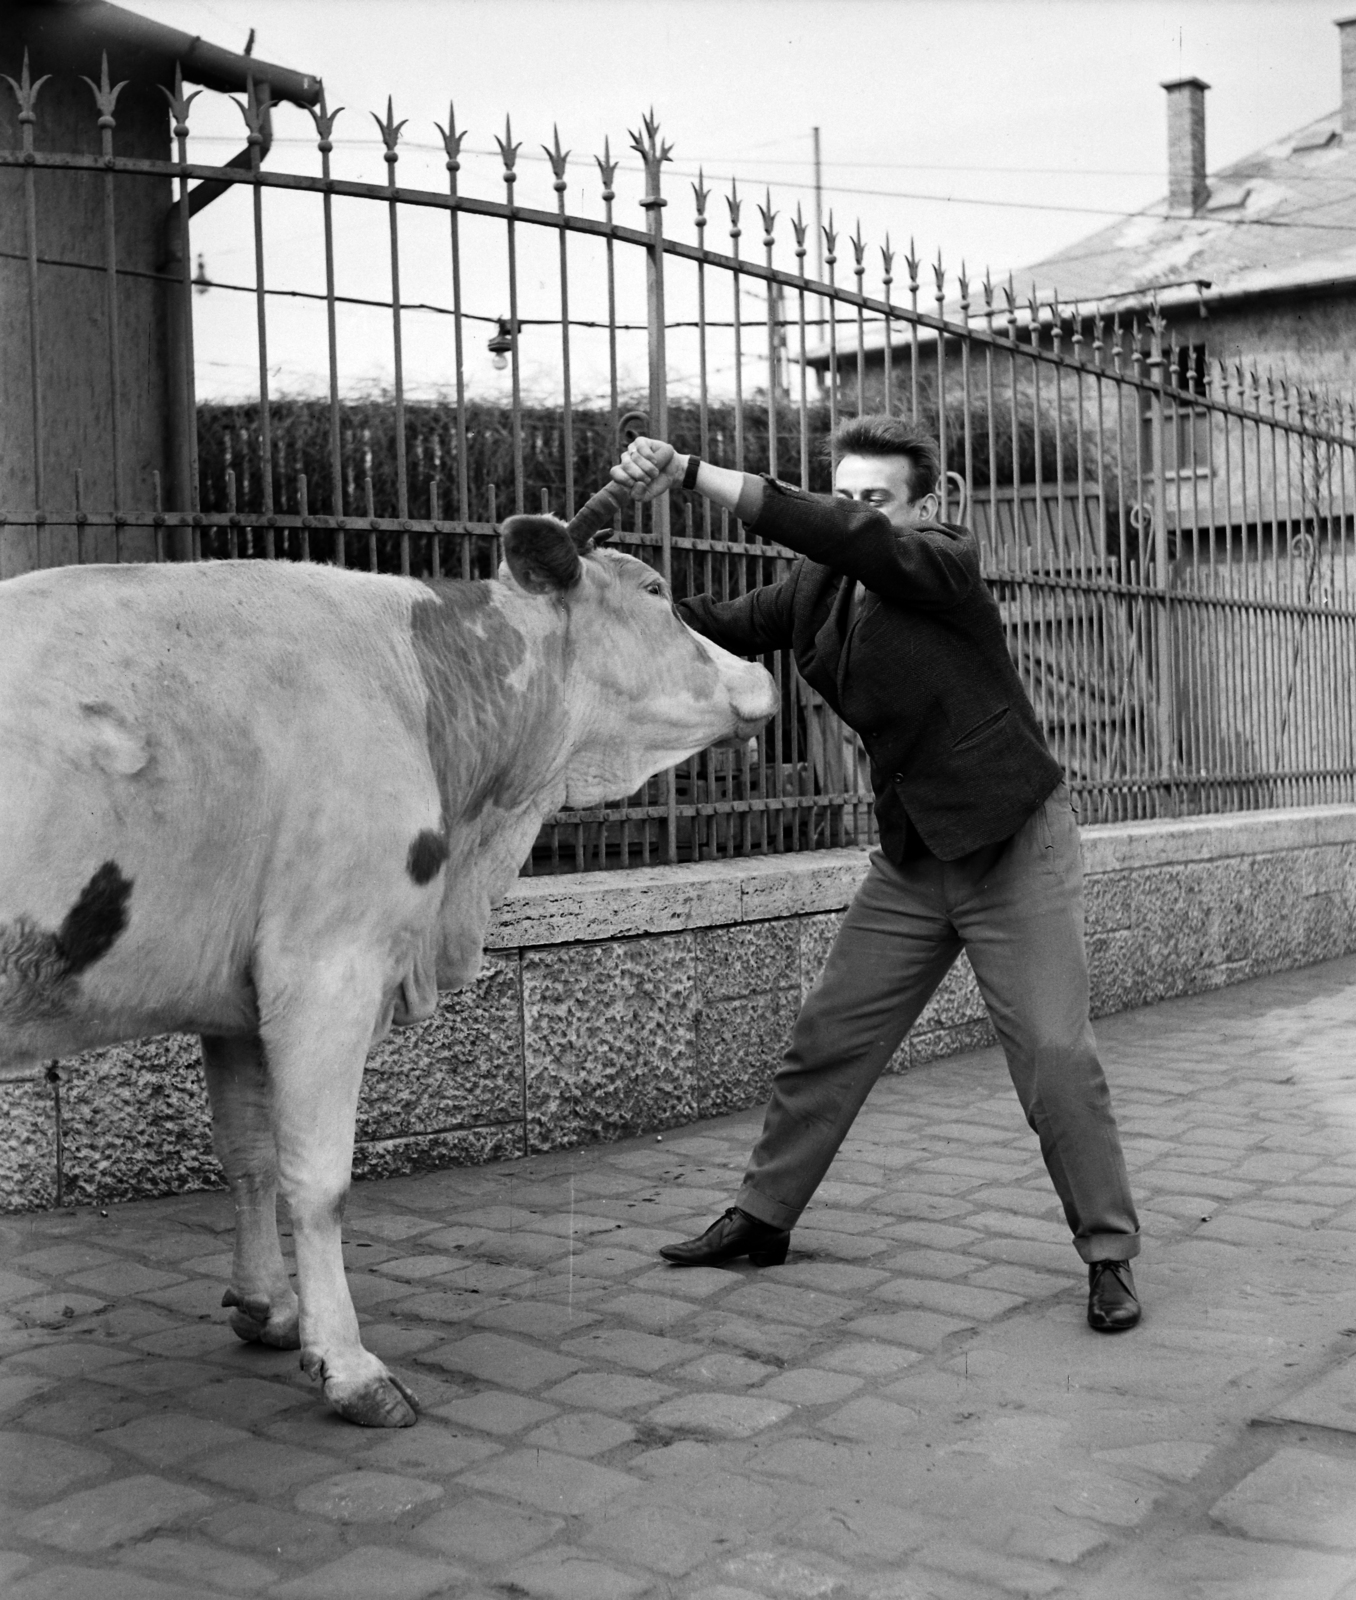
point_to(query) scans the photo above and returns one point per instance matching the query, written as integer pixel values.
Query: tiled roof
(1285, 215)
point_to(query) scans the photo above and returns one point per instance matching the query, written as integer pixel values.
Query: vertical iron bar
(324, 120)
(558, 157)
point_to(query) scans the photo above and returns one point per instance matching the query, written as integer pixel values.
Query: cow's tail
(38, 968)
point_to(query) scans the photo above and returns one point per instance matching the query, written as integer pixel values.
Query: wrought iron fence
(1170, 540)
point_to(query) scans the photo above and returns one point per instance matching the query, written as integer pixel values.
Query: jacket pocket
(987, 725)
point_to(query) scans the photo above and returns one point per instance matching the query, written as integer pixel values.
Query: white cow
(275, 805)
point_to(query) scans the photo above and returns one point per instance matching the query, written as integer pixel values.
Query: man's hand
(649, 468)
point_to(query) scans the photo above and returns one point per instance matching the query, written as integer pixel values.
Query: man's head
(889, 464)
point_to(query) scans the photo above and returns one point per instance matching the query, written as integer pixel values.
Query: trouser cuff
(1106, 1246)
(773, 1212)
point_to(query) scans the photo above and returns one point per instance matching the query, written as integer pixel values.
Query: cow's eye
(654, 588)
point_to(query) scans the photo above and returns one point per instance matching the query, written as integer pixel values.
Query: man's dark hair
(891, 436)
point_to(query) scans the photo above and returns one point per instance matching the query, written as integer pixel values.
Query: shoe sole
(774, 1257)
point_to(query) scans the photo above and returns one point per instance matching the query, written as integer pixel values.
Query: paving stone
(430, 1450)
(646, 1352)
(607, 1391)
(57, 1260)
(366, 1496)
(582, 1433)
(496, 1359)
(1298, 1496)
(559, 1484)
(970, 1562)
(37, 1468)
(374, 1570)
(487, 1531)
(724, 1370)
(263, 1468)
(955, 1299)
(714, 1415)
(97, 1583)
(931, 1263)
(652, 1311)
(923, 1330)
(71, 1358)
(1329, 1402)
(565, 1574)
(1177, 1460)
(272, 1532)
(1214, 1567)
(786, 1303)
(494, 1411)
(241, 1402)
(537, 1318)
(811, 1386)
(871, 1418)
(694, 1283)
(869, 1359)
(198, 1563)
(114, 1513)
(833, 1277)
(784, 1573)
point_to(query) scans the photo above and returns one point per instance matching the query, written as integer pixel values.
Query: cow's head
(649, 690)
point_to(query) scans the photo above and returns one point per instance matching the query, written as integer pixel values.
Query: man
(889, 619)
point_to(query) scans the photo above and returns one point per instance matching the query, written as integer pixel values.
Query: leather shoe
(733, 1235)
(1112, 1304)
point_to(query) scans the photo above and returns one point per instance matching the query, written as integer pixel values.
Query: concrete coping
(584, 907)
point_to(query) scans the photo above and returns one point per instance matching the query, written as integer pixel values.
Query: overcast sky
(1029, 123)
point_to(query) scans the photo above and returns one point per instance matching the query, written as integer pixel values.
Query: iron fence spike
(452, 136)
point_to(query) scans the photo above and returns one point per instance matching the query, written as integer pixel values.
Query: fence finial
(179, 104)
(557, 157)
(607, 169)
(769, 217)
(508, 151)
(654, 152)
(254, 108)
(799, 227)
(701, 194)
(390, 131)
(733, 201)
(887, 261)
(452, 138)
(105, 97)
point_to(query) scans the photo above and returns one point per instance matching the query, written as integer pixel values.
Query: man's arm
(748, 625)
(930, 566)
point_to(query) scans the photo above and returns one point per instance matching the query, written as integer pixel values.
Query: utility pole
(819, 220)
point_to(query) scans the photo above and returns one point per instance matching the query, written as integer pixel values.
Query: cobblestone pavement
(912, 1407)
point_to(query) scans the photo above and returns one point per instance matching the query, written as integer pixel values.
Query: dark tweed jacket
(923, 675)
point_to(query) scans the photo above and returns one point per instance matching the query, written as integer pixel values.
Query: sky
(991, 131)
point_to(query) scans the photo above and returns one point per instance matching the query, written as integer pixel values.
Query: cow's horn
(541, 554)
(592, 523)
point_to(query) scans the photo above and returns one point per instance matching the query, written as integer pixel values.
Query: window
(1186, 427)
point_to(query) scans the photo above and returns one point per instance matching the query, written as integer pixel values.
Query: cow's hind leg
(242, 1131)
(316, 1032)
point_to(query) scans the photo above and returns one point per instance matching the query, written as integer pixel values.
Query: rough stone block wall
(610, 1005)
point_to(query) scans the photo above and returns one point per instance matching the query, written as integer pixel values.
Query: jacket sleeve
(748, 625)
(928, 568)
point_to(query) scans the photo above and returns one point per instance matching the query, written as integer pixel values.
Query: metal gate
(1171, 542)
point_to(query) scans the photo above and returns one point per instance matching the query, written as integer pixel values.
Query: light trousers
(1016, 908)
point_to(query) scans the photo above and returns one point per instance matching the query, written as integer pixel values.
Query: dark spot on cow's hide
(38, 968)
(96, 919)
(426, 857)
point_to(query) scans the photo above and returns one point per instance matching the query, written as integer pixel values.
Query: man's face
(884, 483)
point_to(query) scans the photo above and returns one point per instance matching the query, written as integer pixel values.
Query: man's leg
(892, 951)
(1021, 918)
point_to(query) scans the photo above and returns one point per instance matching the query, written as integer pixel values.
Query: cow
(275, 803)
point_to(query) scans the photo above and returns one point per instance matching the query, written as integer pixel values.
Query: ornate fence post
(654, 153)
(1164, 658)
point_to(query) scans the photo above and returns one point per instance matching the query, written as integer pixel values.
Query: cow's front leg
(242, 1131)
(316, 1034)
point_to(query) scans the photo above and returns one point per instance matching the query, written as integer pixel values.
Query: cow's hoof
(376, 1403)
(256, 1321)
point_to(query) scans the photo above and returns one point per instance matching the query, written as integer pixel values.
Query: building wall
(614, 1004)
(73, 367)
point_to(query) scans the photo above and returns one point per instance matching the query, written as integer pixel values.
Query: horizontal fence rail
(1170, 540)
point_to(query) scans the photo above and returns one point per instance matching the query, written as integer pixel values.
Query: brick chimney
(1187, 188)
(1346, 28)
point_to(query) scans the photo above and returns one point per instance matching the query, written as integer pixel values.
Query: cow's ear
(541, 554)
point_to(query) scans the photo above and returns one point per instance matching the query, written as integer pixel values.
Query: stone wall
(611, 1004)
